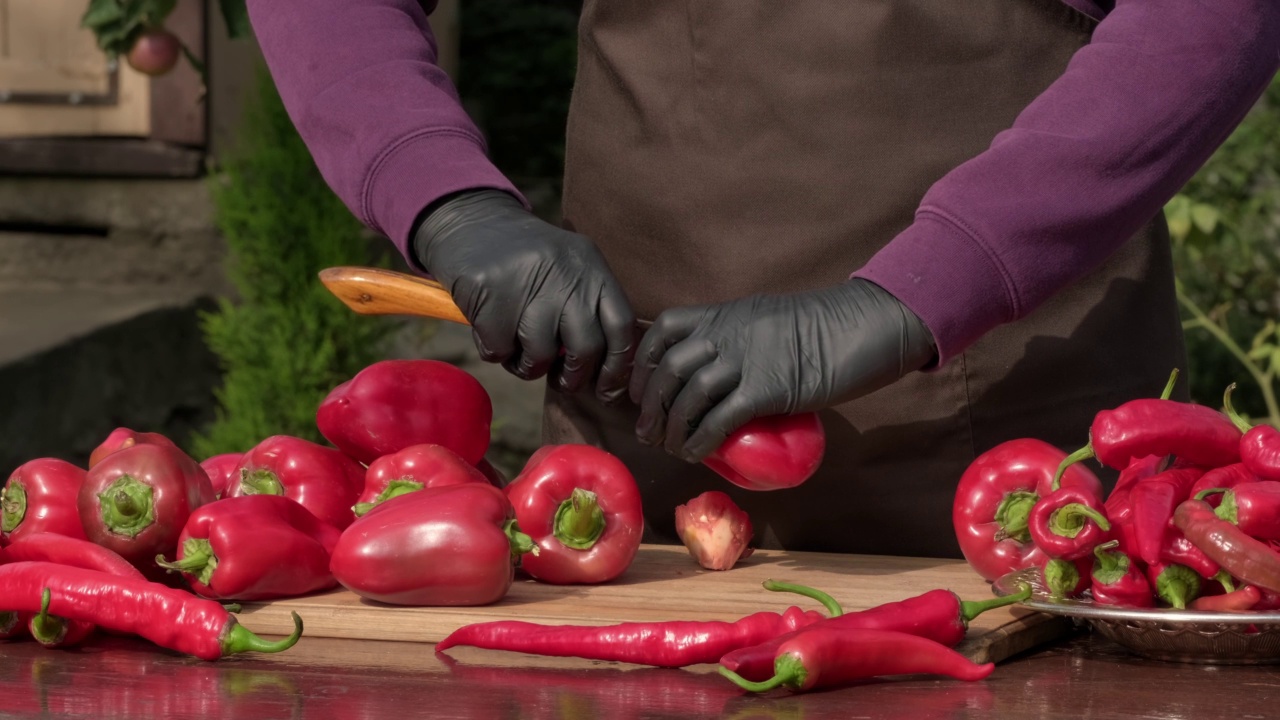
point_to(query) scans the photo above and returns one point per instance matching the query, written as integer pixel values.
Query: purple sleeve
(1136, 113)
(360, 81)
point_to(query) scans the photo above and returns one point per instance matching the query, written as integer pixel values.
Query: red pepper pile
(1156, 537)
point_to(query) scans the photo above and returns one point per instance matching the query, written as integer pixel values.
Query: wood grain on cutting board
(664, 583)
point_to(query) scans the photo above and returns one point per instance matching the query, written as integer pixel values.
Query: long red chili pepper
(1118, 506)
(1243, 599)
(1117, 580)
(829, 658)
(1154, 501)
(1068, 524)
(1177, 549)
(170, 618)
(1260, 445)
(939, 615)
(1244, 557)
(1254, 507)
(1220, 479)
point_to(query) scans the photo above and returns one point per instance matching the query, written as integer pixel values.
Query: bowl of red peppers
(1178, 561)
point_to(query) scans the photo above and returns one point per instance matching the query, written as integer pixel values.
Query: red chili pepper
(1174, 584)
(938, 615)
(1254, 508)
(223, 470)
(255, 547)
(994, 499)
(40, 497)
(135, 501)
(830, 658)
(1221, 479)
(320, 479)
(413, 468)
(1119, 505)
(715, 531)
(393, 404)
(772, 452)
(48, 547)
(1066, 578)
(1260, 446)
(582, 508)
(452, 545)
(123, 439)
(1154, 500)
(1246, 558)
(1243, 599)
(1117, 580)
(662, 644)
(173, 619)
(1068, 523)
(1177, 549)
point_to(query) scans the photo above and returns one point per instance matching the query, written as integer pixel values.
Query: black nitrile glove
(702, 372)
(528, 288)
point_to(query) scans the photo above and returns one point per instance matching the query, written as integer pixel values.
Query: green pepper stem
(45, 628)
(395, 488)
(1225, 580)
(13, 505)
(1014, 513)
(970, 609)
(1061, 577)
(260, 482)
(1227, 509)
(198, 559)
(1168, 388)
(520, 542)
(1069, 520)
(827, 601)
(1110, 566)
(1178, 585)
(126, 506)
(788, 670)
(579, 521)
(1240, 423)
(238, 639)
(1084, 453)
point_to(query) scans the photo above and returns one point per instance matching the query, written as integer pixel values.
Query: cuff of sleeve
(417, 171)
(948, 279)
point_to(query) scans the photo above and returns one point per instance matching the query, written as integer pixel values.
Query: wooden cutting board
(664, 583)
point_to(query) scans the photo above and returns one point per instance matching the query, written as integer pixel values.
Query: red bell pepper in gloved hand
(1251, 560)
(1221, 479)
(135, 501)
(1117, 580)
(771, 453)
(452, 545)
(255, 547)
(320, 479)
(1254, 508)
(715, 531)
(1154, 501)
(413, 468)
(1260, 445)
(123, 439)
(393, 404)
(40, 497)
(1236, 601)
(823, 657)
(994, 499)
(1068, 524)
(1174, 584)
(223, 471)
(582, 508)
(1066, 578)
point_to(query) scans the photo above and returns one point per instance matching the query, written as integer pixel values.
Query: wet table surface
(1081, 677)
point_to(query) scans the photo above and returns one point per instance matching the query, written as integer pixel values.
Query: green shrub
(285, 342)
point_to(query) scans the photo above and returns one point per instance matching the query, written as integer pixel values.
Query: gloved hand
(702, 372)
(529, 287)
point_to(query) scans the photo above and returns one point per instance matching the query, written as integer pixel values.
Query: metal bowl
(1190, 636)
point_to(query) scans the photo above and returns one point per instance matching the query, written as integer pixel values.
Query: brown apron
(718, 148)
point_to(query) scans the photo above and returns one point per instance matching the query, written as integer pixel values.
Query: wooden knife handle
(371, 291)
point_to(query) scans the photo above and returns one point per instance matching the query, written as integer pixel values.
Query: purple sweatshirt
(1138, 110)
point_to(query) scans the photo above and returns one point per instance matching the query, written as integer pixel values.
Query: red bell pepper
(135, 501)
(1221, 479)
(452, 545)
(1066, 578)
(255, 547)
(223, 471)
(1260, 445)
(1174, 584)
(994, 499)
(320, 479)
(1068, 523)
(582, 508)
(772, 452)
(1154, 500)
(123, 438)
(1251, 560)
(413, 468)
(715, 531)
(1254, 508)
(393, 404)
(40, 497)
(1117, 580)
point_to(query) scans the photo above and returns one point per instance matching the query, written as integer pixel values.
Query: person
(939, 224)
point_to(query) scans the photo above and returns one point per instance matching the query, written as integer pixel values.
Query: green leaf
(1205, 217)
(236, 17)
(100, 13)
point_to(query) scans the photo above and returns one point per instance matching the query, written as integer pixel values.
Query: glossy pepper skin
(393, 404)
(1154, 500)
(1177, 549)
(453, 545)
(1223, 478)
(255, 547)
(1251, 560)
(774, 452)
(994, 499)
(823, 658)
(662, 644)
(320, 479)
(582, 508)
(48, 547)
(123, 438)
(413, 468)
(173, 619)
(135, 501)
(1254, 508)
(1259, 446)
(1235, 601)
(40, 497)
(222, 471)
(1116, 579)
(1068, 523)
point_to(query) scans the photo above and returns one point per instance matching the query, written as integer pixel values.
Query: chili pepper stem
(1168, 387)
(830, 603)
(1235, 417)
(1070, 519)
(237, 639)
(127, 506)
(1084, 453)
(579, 521)
(1110, 566)
(260, 482)
(1014, 513)
(787, 671)
(395, 488)
(1227, 509)
(520, 542)
(1060, 577)
(1224, 579)
(198, 559)
(13, 503)
(45, 628)
(1178, 585)
(970, 609)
